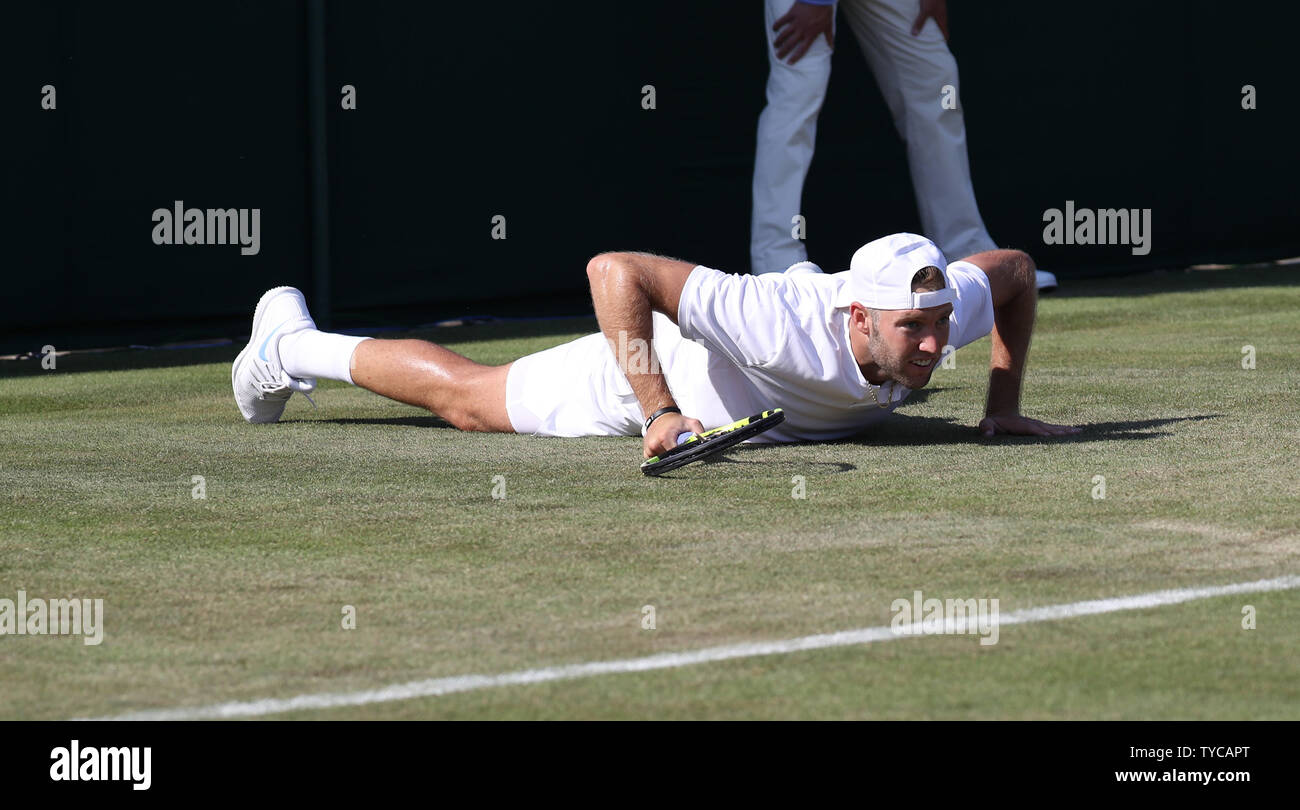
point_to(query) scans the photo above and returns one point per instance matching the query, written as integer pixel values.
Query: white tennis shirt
(743, 344)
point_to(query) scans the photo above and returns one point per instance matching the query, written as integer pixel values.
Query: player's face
(909, 343)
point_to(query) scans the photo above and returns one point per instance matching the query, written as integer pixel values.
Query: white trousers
(911, 72)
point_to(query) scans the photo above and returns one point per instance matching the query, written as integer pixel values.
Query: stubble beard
(891, 365)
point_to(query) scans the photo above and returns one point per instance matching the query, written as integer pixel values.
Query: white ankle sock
(312, 353)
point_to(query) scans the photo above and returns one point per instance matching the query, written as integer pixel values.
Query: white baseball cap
(880, 274)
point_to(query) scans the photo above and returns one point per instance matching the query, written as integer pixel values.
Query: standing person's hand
(799, 28)
(931, 8)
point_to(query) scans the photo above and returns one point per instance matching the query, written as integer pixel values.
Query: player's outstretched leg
(286, 353)
(469, 395)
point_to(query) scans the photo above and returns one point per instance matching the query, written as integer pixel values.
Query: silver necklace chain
(876, 397)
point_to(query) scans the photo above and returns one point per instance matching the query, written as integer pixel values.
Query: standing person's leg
(787, 130)
(912, 72)
(286, 353)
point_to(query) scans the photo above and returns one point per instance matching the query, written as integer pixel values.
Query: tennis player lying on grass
(685, 347)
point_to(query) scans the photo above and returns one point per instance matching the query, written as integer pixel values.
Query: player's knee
(462, 418)
(1024, 266)
(600, 265)
(467, 411)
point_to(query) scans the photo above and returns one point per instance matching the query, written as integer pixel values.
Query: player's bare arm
(1012, 282)
(626, 289)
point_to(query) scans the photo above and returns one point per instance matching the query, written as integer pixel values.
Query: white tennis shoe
(262, 387)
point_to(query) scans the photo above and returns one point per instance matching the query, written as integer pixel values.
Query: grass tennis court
(368, 503)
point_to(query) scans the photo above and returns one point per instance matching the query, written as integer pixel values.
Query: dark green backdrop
(532, 111)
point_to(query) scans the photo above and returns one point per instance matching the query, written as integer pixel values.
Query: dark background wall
(533, 111)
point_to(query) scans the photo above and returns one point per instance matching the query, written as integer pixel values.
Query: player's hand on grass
(932, 8)
(663, 432)
(1017, 425)
(799, 28)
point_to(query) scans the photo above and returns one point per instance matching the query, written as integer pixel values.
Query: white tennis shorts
(574, 389)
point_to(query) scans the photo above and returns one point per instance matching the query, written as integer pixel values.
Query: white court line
(465, 683)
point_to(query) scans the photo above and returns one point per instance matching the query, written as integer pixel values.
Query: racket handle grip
(682, 437)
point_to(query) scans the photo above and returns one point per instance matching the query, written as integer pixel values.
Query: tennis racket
(692, 447)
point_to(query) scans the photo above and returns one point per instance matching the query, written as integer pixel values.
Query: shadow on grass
(725, 458)
(729, 457)
(913, 431)
(923, 394)
(898, 431)
(910, 431)
(396, 421)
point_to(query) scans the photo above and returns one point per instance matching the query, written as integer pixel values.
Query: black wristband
(659, 413)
